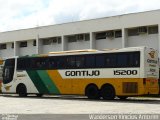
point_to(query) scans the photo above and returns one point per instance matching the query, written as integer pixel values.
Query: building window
(133, 32)
(53, 40)
(142, 30)
(72, 39)
(110, 34)
(78, 37)
(87, 37)
(34, 42)
(23, 44)
(118, 33)
(153, 30)
(3, 46)
(101, 35)
(12, 46)
(59, 40)
(47, 41)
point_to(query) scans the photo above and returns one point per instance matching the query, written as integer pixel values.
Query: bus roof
(87, 51)
(74, 51)
(93, 51)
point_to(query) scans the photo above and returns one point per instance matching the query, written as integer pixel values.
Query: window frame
(23, 44)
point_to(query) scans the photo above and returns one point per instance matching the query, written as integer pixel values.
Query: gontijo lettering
(83, 73)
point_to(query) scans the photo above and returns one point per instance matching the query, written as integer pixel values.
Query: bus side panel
(43, 82)
(78, 85)
(51, 82)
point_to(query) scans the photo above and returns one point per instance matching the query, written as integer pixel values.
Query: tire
(122, 97)
(39, 95)
(107, 92)
(22, 90)
(92, 92)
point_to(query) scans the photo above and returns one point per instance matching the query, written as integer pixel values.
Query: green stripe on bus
(48, 82)
(37, 81)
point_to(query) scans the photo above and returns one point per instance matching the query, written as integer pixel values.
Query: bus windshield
(8, 70)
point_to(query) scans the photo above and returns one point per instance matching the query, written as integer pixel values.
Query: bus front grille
(130, 87)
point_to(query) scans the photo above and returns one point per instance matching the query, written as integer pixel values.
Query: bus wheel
(107, 92)
(122, 97)
(39, 95)
(21, 90)
(92, 92)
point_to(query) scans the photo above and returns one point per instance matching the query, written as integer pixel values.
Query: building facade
(130, 30)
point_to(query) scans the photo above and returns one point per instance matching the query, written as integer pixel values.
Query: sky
(22, 14)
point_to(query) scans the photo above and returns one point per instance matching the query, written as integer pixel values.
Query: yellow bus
(125, 72)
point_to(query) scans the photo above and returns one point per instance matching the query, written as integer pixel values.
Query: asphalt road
(63, 107)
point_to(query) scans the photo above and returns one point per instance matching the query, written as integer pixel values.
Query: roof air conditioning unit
(54, 40)
(110, 34)
(142, 30)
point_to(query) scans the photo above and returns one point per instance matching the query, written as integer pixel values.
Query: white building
(136, 29)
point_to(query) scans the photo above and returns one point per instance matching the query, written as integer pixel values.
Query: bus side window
(52, 63)
(61, 62)
(80, 61)
(137, 59)
(100, 61)
(134, 60)
(122, 60)
(90, 61)
(22, 63)
(110, 60)
(42, 63)
(71, 62)
(38, 63)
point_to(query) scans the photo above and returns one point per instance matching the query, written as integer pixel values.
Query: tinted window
(23, 63)
(122, 60)
(100, 61)
(80, 60)
(110, 60)
(52, 64)
(90, 61)
(61, 62)
(39, 63)
(71, 62)
(10, 62)
(36, 63)
(134, 59)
